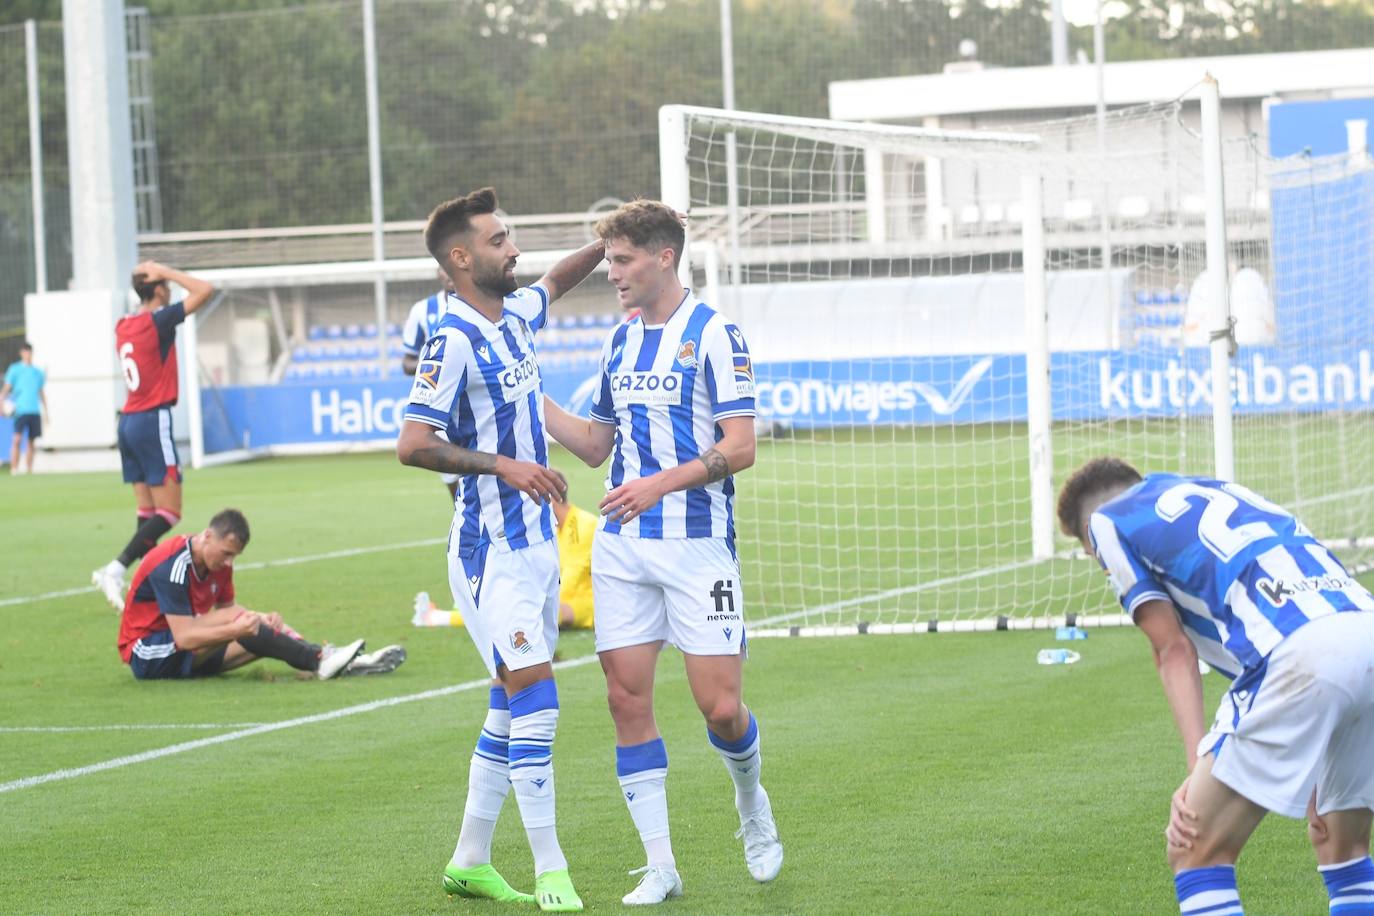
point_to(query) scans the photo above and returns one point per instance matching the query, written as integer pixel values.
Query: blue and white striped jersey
(480, 383)
(1243, 572)
(664, 388)
(421, 323)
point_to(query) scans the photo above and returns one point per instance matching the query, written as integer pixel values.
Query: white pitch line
(158, 753)
(264, 564)
(206, 726)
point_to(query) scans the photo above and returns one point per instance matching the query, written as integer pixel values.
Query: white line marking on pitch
(206, 726)
(116, 763)
(265, 564)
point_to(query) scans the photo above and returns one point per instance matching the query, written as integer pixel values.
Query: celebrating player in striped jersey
(146, 343)
(478, 381)
(675, 412)
(421, 323)
(1210, 569)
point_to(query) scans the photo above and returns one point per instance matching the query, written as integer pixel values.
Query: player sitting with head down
(1210, 569)
(676, 408)
(181, 620)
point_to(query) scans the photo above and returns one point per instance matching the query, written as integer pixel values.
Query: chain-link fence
(258, 119)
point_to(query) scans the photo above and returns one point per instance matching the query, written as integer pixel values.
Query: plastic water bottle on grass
(1057, 657)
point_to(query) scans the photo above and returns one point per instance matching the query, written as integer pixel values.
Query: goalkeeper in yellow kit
(575, 529)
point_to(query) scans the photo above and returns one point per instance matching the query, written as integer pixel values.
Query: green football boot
(554, 892)
(484, 882)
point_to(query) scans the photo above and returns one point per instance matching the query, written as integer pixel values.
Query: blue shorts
(31, 423)
(156, 657)
(146, 447)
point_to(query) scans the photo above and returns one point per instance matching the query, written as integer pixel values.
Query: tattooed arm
(732, 454)
(420, 445)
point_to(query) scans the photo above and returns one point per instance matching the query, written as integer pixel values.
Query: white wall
(923, 316)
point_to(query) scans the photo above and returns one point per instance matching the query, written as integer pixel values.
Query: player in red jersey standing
(146, 343)
(181, 619)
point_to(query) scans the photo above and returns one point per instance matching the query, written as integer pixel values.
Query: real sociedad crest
(687, 354)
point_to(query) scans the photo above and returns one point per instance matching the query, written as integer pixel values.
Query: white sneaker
(762, 849)
(334, 659)
(111, 584)
(658, 884)
(422, 606)
(383, 661)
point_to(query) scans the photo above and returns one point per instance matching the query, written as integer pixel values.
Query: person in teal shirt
(24, 381)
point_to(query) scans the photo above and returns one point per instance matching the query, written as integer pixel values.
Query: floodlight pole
(374, 172)
(40, 240)
(1218, 281)
(1059, 34)
(727, 77)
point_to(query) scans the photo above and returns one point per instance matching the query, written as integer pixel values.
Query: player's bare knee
(1339, 836)
(1205, 852)
(626, 704)
(724, 717)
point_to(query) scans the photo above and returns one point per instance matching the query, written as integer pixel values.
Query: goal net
(922, 394)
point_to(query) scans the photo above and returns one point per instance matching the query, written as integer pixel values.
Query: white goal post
(937, 342)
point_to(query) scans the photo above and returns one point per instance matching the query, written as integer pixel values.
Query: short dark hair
(1093, 478)
(648, 224)
(25, 345)
(230, 522)
(454, 217)
(145, 287)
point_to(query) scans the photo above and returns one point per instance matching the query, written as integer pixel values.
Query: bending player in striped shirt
(478, 382)
(676, 415)
(1211, 569)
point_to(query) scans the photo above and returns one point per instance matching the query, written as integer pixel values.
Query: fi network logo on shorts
(723, 593)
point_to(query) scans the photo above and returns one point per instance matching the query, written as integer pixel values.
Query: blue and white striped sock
(643, 770)
(533, 721)
(1350, 885)
(743, 762)
(1208, 891)
(488, 785)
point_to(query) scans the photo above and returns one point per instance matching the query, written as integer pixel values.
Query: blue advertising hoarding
(920, 391)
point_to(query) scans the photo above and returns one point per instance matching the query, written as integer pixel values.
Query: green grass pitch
(929, 774)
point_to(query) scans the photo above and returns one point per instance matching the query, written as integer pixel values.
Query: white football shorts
(1308, 723)
(686, 591)
(509, 602)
